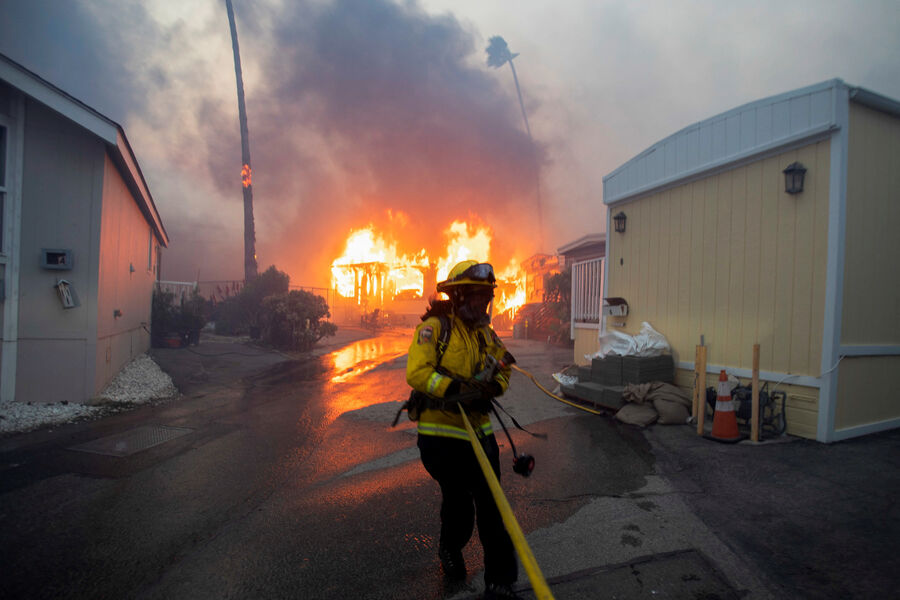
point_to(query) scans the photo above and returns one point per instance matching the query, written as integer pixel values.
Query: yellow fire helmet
(469, 272)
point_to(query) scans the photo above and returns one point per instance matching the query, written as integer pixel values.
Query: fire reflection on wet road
(365, 355)
(366, 372)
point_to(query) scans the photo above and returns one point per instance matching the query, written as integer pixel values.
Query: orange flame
(373, 272)
(245, 175)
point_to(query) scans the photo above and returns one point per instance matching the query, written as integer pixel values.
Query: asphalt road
(283, 479)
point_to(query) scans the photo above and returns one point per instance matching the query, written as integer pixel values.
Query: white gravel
(140, 381)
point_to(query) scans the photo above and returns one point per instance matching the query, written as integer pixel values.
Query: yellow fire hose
(554, 396)
(538, 583)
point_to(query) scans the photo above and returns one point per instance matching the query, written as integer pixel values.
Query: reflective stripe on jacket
(463, 358)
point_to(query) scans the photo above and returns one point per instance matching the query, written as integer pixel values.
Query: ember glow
(245, 175)
(374, 273)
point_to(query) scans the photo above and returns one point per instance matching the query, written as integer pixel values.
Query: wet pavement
(285, 480)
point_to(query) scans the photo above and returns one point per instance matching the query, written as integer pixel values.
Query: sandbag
(637, 414)
(671, 412)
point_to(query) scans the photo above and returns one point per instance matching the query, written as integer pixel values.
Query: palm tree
(498, 55)
(250, 267)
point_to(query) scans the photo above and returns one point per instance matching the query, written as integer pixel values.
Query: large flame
(374, 273)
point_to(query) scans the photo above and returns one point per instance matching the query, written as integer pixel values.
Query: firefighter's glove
(472, 394)
(488, 389)
(485, 375)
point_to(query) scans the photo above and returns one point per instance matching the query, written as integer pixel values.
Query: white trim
(15, 152)
(46, 94)
(584, 302)
(582, 325)
(107, 130)
(753, 155)
(869, 350)
(727, 139)
(834, 279)
(860, 430)
(770, 376)
(586, 240)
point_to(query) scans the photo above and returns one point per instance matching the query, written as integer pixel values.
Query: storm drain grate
(135, 440)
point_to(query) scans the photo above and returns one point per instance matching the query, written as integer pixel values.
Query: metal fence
(587, 293)
(181, 289)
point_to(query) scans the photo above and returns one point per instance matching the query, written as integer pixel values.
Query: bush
(185, 318)
(294, 320)
(162, 316)
(240, 314)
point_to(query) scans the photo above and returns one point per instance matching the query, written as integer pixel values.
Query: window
(150, 250)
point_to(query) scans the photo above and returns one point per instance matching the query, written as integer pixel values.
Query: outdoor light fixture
(793, 178)
(619, 221)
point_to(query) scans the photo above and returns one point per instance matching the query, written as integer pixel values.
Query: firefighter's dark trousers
(466, 495)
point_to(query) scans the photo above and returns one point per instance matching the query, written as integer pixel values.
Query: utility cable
(538, 583)
(554, 396)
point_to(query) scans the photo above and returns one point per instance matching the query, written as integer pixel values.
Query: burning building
(373, 273)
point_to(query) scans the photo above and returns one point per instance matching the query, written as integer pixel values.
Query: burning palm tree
(498, 55)
(250, 268)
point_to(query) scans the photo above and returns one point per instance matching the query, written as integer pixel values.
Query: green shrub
(184, 318)
(295, 320)
(240, 314)
(162, 316)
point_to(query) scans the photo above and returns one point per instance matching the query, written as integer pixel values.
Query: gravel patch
(139, 382)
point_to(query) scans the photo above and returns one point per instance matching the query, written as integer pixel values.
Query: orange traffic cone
(725, 427)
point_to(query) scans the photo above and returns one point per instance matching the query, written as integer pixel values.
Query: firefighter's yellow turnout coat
(464, 357)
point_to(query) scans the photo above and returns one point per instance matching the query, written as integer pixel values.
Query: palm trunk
(537, 177)
(250, 267)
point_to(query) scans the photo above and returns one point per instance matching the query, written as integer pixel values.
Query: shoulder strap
(444, 338)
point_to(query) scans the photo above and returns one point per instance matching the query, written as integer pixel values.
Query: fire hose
(552, 395)
(538, 583)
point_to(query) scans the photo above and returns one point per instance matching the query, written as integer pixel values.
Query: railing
(181, 289)
(587, 293)
(220, 290)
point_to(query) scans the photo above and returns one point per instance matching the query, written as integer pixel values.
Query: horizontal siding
(801, 403)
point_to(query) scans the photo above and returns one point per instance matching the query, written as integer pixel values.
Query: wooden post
(701, 383)
(696, 398)
(754, 418)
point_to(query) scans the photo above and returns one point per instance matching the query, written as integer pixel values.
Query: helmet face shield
(480, 272)
(469, 273)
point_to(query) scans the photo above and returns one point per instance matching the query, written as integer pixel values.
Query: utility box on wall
(615, 307)
(56, 259)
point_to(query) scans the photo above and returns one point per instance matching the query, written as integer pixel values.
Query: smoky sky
(400, 118)
(357, 111)
(53, 38)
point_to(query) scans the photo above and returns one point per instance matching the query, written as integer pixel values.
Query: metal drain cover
(132, 441)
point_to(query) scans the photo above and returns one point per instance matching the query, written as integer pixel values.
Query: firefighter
(463, 366)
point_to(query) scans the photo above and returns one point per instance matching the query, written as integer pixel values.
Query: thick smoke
(372, 106)
(358, 110)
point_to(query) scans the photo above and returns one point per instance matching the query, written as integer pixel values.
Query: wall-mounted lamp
(619, 222)
(793, 178)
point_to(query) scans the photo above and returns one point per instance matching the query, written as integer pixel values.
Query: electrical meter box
(68, 297)
(57, 259)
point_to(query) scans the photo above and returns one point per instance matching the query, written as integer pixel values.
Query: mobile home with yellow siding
(716, 250)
